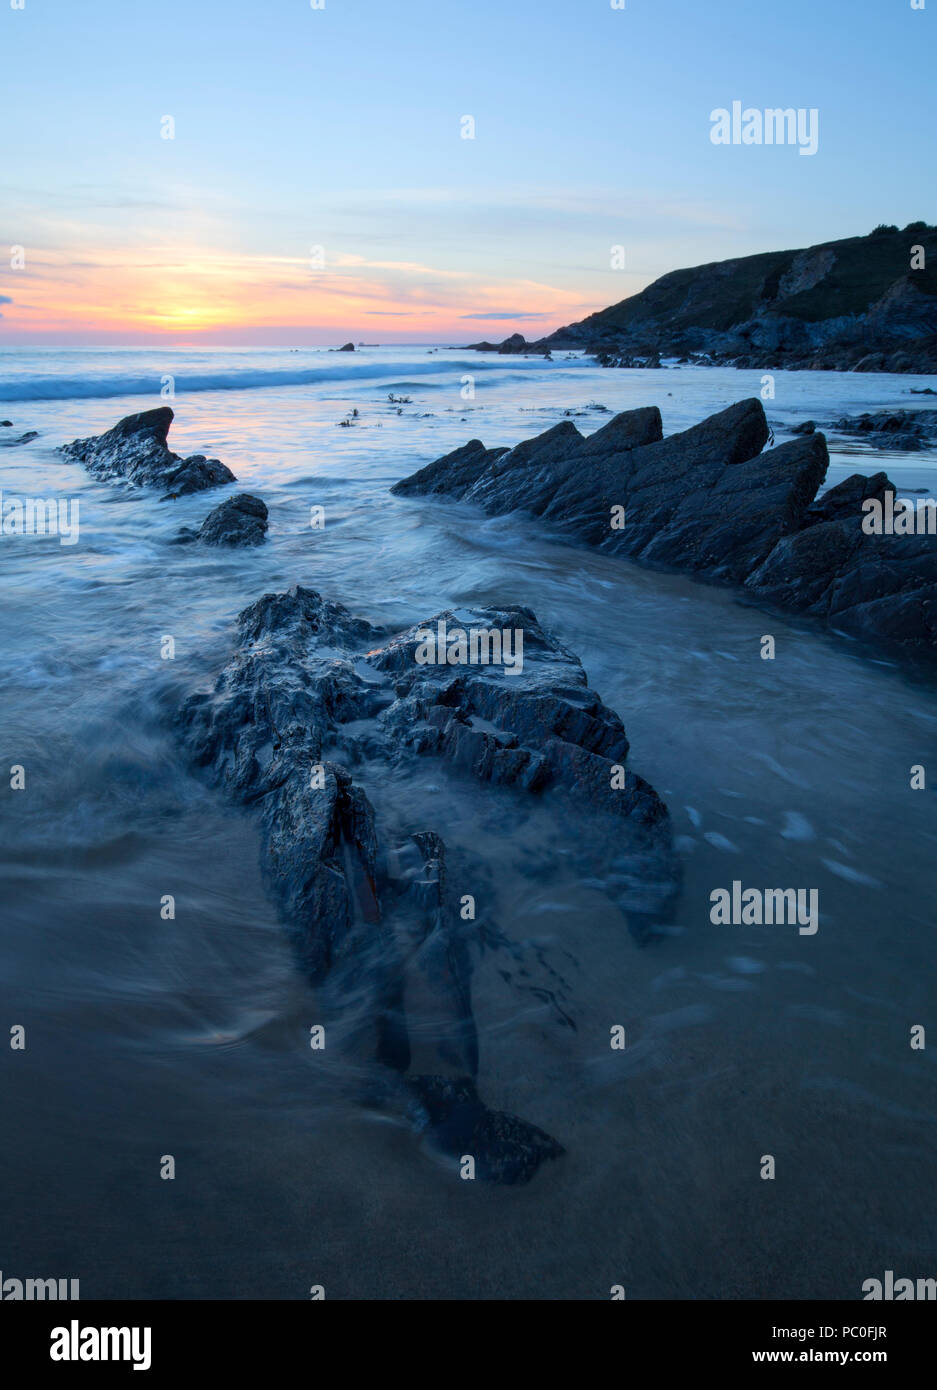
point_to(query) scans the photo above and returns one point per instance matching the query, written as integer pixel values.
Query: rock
(845, 500)
(906, 443)
(689, 500)
(26, 438)
(136, 449)
(347, 347)
(798, 570)
(709, 501)
(847, 304)
(452, 474)
(5, 422)
(508, 1150)
(882, 589)
(904, 430)
(196, 474)
(808, 427)
(608, 357)
(312, 692)
(515, 344)
(239, 520)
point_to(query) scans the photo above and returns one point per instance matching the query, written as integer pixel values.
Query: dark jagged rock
(196, 474)
(6, 422)
(808, 427)
(26, 438)
(880, 588)
(516, 343)
(313, 693)
(509, 1150)
(136, 449)
(844, 501)
(608, 357)
(709, 501)
(238, 520)
(904, 430)
(347, 347)
(453, 474)
(696, 500)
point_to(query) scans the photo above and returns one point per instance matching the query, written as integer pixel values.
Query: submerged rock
(608, 357)
(136, 449)
(315, 706)
(509, 1150)
(904, 430)
(238, 520)
(709, 501)
(26, 438)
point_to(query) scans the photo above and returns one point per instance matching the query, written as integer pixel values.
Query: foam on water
(86, 375)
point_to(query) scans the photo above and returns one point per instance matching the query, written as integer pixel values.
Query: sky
(318, 187)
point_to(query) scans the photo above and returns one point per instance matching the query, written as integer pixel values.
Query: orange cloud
(165, 292)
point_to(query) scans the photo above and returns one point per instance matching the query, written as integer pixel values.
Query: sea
(153, 1034)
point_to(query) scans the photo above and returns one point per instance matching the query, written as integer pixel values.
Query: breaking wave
(53, 387)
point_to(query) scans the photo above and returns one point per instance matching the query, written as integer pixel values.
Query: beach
(189, 1035)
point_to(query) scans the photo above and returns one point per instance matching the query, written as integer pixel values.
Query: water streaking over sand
(188, 1036)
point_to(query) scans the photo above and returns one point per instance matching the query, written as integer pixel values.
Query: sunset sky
(339, 128)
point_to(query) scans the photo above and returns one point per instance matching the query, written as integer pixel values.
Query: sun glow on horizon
(161, 291)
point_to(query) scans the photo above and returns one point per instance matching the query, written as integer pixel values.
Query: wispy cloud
(430, 258)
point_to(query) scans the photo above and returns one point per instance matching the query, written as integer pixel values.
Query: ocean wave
(393, 373)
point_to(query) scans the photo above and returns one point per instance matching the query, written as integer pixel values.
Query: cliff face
(866, 303)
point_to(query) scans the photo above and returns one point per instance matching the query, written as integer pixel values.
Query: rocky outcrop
(238, 520)
(303, 724)
(709, 501)
(516, 343)
(26, 438)
(347, 347)
(136, 449)
(860, 304)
